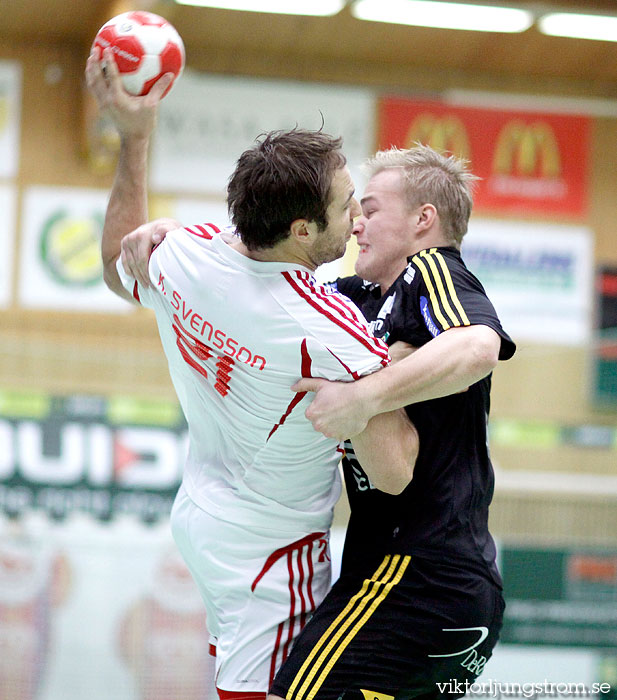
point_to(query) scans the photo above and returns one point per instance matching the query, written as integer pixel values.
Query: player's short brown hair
(432, 177)
(285, 176)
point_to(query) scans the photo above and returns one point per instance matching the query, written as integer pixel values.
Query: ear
(427, 216)
(300, 230)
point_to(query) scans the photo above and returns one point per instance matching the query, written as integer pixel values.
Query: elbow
(487, 344)
(402, 467)
(113, 283)
(387, 450)
(110, 278)
(397, 485)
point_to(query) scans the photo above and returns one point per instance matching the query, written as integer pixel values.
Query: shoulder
(205, 231)
(437, 268)
(452, 295)
(353, 286)
(319, 301)
(435, 260)
(329, 316)
(198, 233)
(184, 246)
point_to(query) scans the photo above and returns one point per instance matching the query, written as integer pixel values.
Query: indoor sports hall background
(94, 600)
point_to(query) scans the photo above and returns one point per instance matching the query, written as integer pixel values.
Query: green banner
(90, 454)
(604, 358)
(560, 597)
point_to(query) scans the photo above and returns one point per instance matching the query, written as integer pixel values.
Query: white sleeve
(343, 361)
(166, 254)
(342, 347)
(143, 296)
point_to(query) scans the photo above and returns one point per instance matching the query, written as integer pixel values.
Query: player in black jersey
(417, 609)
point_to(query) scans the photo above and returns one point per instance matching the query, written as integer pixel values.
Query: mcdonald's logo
(528, 161)
(445, 134)
(528, 150)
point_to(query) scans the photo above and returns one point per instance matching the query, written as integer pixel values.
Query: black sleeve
(447, 295)
(352, 287)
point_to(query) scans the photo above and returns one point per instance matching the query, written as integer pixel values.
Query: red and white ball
(145, 47)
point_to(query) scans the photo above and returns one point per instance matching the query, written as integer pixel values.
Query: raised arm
(448, 364)
(135, 119)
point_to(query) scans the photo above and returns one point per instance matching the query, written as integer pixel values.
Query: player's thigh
(259, 589)
(385, 633)
(193, 530)
(256, 640)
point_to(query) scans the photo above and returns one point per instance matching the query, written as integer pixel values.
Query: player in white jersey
(240, 322)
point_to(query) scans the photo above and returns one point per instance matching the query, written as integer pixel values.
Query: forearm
(135, 119)
(446, 365)
(387, 450)
(128, 205)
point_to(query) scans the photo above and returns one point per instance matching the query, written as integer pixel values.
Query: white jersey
(237, 334)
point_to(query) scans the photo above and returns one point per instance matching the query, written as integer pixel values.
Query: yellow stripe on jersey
(431, 291)
(441, 289)
(453, 295)
(429, 257)
(338, 636)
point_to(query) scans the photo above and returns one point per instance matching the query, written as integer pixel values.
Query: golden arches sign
(527, 150)
(446, 134)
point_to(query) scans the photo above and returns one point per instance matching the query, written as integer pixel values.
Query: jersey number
(192, 349)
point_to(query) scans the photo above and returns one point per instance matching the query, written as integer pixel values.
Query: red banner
(530, 162)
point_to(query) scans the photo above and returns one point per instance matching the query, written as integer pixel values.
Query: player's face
(331, 242)
(384, 230)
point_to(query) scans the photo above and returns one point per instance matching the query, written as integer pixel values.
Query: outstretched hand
(137, 247)
(133, 116)
(335, 411)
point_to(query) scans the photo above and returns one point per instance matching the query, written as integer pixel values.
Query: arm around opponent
(448, 364)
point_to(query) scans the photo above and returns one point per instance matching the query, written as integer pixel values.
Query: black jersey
(442, 515)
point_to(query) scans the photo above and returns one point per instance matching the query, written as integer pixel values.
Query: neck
(434, 242)
(387, 281)
(278, 253)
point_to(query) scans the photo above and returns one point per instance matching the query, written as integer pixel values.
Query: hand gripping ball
(145, 47)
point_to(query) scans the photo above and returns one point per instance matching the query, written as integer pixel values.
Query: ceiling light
(444, 15)
(322, 8)
(577, 26)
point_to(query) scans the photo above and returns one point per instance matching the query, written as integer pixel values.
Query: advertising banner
(8, 205)
(539, 277)
(87, 454)
(604, 389)
(560, 597)
(190, 210)
(10, 111)
(95, 600)
(207, 121)
(99, 611)
(529, 162)
(61, 266)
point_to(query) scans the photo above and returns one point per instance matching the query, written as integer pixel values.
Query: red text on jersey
(217, 337)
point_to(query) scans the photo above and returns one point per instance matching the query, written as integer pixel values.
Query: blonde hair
(431, 177)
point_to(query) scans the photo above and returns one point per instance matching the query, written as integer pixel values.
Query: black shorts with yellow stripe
(409, 628)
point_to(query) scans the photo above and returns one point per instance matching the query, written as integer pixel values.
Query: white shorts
(259, 588)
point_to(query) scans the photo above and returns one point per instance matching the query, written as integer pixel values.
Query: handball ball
(145, 47)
